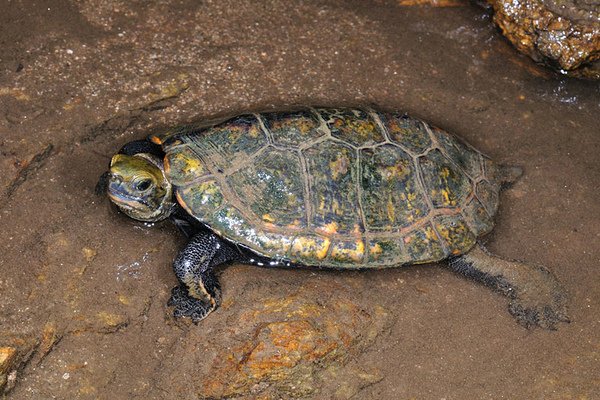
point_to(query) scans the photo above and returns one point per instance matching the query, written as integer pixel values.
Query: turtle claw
(531, 312)
(187, 306)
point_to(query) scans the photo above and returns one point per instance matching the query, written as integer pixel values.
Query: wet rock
(112, 322)
(15, 352)
(563, 34)
(7, 358)
(290, 346)
(50, 337)
(286, 351)
(89, 254)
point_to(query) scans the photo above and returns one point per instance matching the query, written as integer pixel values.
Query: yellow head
(138, 186)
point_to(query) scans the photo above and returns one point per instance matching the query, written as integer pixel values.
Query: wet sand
(84, 289)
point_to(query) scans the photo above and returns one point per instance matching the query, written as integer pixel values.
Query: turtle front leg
(536, 297)
(198, 293)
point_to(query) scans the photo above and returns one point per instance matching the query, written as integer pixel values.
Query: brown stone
(561, 34)
(15, 352)
(7, 358)
(293, 345)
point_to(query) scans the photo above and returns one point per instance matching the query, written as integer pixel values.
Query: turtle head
(138, 186)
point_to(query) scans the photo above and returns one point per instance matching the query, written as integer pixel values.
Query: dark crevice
(36, 163)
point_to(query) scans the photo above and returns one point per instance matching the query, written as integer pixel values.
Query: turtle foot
(536, 298)
(187, 306)
(541, 308)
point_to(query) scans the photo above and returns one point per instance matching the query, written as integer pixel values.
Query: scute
(229, 222)
(488, 196)
(293, 129)
(446, 185)
(347, 252)
(201, 200)
(468, 159)
(356, 127)
(228, 143)
(273, 188)
(309, 249)
(477, 218)
(423, 245)
(388, 252)
(391, 196)
(409, 133)
(183, 166)
(333, 171)
(455, 233)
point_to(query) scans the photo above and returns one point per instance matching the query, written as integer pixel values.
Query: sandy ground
(83, 290)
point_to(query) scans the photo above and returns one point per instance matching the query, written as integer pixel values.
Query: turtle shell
(334, 187)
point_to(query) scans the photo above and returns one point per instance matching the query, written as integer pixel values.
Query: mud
(83, 289)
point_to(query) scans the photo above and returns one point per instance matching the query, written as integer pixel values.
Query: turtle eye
(143, 185)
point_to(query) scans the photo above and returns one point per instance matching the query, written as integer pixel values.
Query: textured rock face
(291, 346)
(563, 34)
(15, 352)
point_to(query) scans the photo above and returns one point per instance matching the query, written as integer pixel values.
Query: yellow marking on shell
(268, 218)
(341, 253)
(304, 126)
(253, 132)
(209, 193)
(188, 165)
(363, 129)
(445, 173)
(446, 197)
(395, 171)
(430, 234)
(391, 211)
(360, 248)
(322, 204)
(444, 233)
(411, 197)
(339, 167)
(375, 251)
(294, 225)
(323, 252)
(310, 248)
(328, 229)
(457, 236)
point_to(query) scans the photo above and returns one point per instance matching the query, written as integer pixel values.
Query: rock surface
(15, 352)
(564, 34)
(291, 344)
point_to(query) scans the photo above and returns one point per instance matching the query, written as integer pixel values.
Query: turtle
(315, 187)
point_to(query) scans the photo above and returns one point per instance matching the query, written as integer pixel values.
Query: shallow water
(80, 79)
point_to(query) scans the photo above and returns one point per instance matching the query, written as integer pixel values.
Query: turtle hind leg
(536, 298)
(199, 293)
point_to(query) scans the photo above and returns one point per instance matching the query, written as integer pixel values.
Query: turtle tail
(509, 174)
